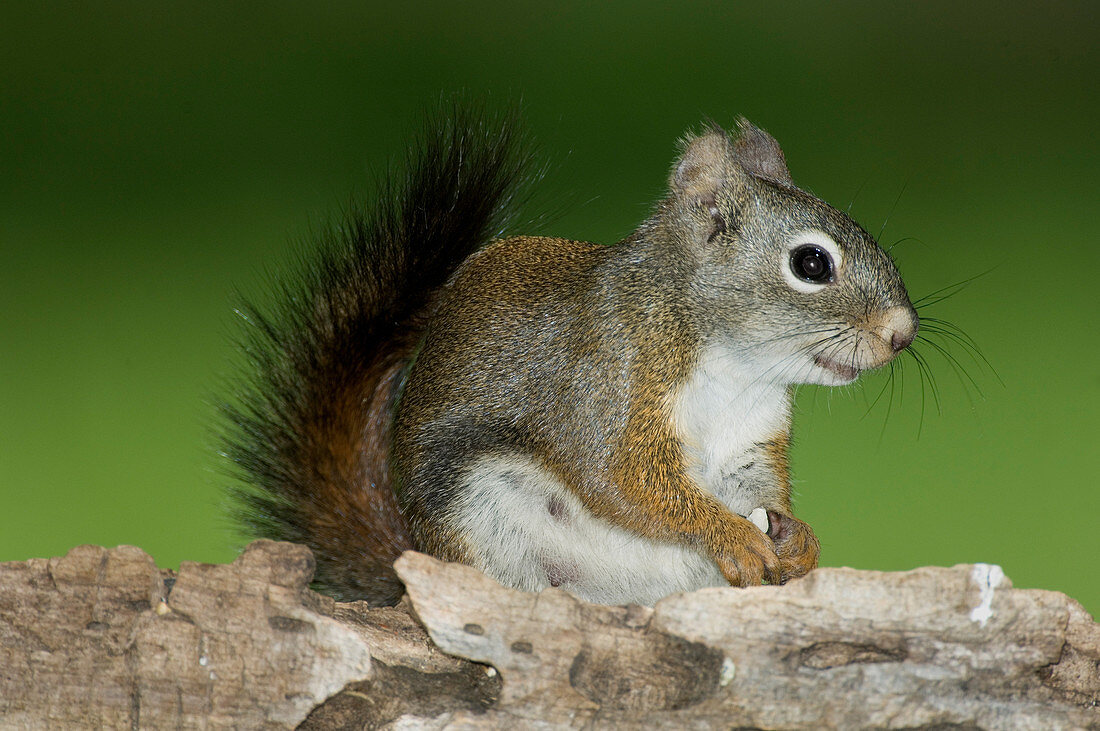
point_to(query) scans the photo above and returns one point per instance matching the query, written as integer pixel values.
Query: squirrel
(598, 418)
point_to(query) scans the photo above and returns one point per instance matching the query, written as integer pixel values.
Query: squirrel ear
(703, 167)
(759, 154)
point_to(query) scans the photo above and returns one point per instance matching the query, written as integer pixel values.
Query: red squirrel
(554, 412)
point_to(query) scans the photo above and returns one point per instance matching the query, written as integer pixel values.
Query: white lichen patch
(988, 577)
(729, 669)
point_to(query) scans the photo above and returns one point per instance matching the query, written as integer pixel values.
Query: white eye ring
(810, 237)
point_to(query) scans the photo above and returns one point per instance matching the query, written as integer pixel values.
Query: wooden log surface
(102, 638)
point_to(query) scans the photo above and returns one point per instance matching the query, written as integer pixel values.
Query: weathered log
(102, 638)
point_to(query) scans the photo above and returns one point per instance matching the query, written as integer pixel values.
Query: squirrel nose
(901, 341)
(902, 324)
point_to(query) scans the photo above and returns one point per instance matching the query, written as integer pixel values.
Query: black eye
(812, 264)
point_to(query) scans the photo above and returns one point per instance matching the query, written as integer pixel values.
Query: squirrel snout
(885, 334)
(900, 326)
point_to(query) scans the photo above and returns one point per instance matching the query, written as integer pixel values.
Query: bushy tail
(309, 430)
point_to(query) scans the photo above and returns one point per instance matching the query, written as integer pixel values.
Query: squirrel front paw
(746, 556)
(795, 544)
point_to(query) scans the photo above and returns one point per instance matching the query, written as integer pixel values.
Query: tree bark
(102, 638)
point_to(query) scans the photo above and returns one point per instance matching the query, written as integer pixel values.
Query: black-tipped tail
(309, 429)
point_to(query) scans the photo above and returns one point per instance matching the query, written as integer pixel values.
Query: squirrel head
(796, 287)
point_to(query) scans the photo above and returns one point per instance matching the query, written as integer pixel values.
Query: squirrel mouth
(845, 372)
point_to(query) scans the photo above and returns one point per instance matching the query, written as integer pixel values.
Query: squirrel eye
(812, 264)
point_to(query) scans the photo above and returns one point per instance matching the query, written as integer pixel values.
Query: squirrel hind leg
(525, 528)
(512, 517)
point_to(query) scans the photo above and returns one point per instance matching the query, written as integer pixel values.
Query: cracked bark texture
(102, 638)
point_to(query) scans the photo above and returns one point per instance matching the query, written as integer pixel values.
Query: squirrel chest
(735, 428)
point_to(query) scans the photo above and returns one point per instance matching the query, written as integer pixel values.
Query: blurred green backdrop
(154, 157)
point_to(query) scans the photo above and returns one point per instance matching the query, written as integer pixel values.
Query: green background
(156, 157)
